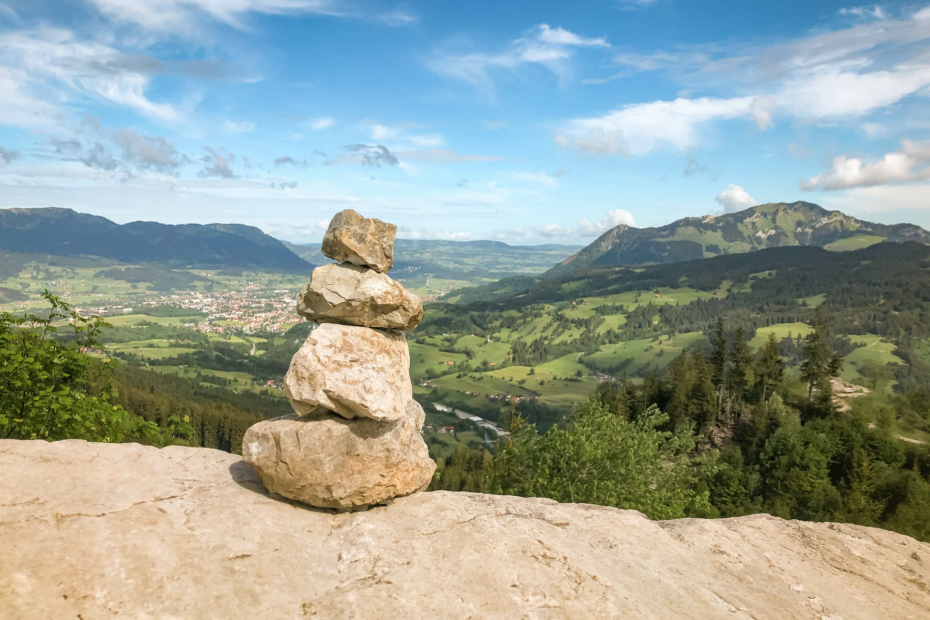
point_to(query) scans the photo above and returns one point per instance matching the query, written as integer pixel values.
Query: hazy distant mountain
(64, 232)
(461, 260)
(764, 226)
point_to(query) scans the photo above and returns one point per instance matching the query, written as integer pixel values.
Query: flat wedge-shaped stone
(359, 240)
(354, 371)
(330, 462)
(354, 295)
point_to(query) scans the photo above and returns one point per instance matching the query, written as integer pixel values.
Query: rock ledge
(98, 530)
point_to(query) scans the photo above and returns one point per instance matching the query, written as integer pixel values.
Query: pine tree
(740, 365)
(718, 358)
(818, 366)
(768, 368)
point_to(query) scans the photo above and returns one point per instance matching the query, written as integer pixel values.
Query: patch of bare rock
(125, 531)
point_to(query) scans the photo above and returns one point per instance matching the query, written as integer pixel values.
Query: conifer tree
(768, 368)
(740, 365)
(718, 358)
(819, 364)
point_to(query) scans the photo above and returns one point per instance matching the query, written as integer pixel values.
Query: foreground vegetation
(722, 434)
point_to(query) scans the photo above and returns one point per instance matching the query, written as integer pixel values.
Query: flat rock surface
(352, 238)
(354, 371)
(101, 531)
(327, 461)
(354, 295)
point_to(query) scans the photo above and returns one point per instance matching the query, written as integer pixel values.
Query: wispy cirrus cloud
(826, 78)
(587, 228)
(544, 46)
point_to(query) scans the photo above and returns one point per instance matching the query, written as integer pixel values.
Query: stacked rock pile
(355, 437)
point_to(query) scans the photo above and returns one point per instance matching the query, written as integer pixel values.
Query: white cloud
(185, 17)
(587, 228)
(874, 11)
(401, 136)
(734, 198)
(444, 156)
(641, 128)
(910, 164)
(52, 58)
(826, 78)
(324, 122)
(560, 36)
(537, 177)
(549, 47)
(238, 127)
(881, 199)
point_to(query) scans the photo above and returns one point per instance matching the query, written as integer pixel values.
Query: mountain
(473, 261)
(764, 226)
(64, 232)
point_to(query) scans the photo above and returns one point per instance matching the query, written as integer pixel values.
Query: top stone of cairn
(359, 240)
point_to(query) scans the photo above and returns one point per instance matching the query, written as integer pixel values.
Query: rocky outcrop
(359, 240)
(125, 531)
(326, 461)
(358, 296)
(352, 371)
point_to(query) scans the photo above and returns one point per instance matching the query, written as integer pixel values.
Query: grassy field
(853, 243)
(781, 330)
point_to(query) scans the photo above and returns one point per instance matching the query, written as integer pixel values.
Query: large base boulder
(354, 371)
(330, 462)
(354, 295)
(359, 240)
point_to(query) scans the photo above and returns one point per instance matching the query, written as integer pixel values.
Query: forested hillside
(63, 232)
(763, 226)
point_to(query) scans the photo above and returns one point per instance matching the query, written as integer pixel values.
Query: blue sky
(542, 122)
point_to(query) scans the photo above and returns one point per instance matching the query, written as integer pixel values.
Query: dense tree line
(722, 433)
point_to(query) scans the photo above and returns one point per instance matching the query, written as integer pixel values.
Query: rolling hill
(764, 226)
(64, 232)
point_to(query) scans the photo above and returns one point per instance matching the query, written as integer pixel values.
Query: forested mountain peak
(763, 226)
(64, 232)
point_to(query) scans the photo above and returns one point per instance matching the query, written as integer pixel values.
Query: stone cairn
(355, 437)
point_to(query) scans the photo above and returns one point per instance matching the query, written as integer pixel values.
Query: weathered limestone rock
(360, 240)
(330, 462)
(354, 295)
(104, 530)
(354, 371)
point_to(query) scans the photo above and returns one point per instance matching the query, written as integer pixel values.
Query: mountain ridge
(763, 226)
(65, 232)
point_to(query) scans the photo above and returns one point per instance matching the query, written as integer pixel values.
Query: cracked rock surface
(352, 238)
(102, 530)
(330, 462)
(354, 295)
(352, 371)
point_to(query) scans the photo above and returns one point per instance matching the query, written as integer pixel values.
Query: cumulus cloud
(587, 228)
(548, 47)
(909, 164)
(734, 198)
(7, 156)
(217, 164)
(641, 128)
(120, 149)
